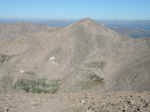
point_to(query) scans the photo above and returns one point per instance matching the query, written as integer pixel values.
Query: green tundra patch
(38, 85)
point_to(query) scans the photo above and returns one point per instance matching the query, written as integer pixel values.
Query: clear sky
(75, 9)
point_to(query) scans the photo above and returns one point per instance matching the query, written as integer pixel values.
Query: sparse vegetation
(92, 81)
(89, 81)
(30, 73)
(86, 85)
(4, 58)
(96, 64)
(38, 86)
(29, 84)
(96, 78)
(91, 75)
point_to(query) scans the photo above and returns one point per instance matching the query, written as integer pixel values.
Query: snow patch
(52, 60)
(21, 71)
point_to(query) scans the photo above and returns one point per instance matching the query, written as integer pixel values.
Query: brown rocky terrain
(49, 66)
(76, 102)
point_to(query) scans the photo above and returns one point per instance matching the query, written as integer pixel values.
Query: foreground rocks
(76, 102)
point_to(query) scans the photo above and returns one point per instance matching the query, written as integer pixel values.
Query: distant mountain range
(134, 28)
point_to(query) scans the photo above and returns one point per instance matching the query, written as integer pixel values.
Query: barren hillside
(82, 57)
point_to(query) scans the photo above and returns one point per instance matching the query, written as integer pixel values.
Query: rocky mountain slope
(82, 57)
(75, 102)
(79, 52)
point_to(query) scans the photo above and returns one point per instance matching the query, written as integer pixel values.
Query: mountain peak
(86, 20)
(88, 25)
